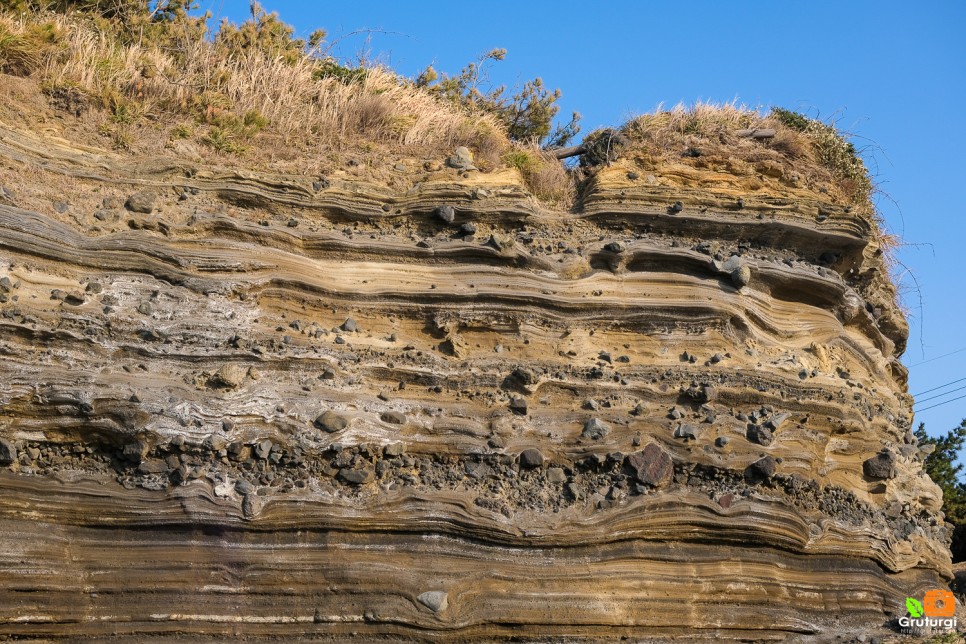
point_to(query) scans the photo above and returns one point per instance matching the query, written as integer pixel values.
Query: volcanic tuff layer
(237, 404)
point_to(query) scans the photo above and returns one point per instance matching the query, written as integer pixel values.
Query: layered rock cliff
(242, 404)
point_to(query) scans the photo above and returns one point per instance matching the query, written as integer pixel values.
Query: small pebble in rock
(758, 434)
(331, 422)
(687, 432)
(393, 417)
(8, 452)
(446, 214)
(741, 276)
(350, 326)
(434, 600)
(764, 467)
(595, 429)
(530, 458)
(142, 202)
(614, 247)
(518, 405)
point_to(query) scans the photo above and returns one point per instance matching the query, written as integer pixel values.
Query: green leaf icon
(914, 606)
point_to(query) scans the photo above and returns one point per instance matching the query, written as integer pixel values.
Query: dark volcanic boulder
(651, 466)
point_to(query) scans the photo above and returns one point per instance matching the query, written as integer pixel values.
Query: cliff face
(238, 404)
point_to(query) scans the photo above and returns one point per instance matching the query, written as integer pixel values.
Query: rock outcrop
(246, 405)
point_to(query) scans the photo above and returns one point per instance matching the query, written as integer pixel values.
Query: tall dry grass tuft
(202, 81)
(18, 55)
(552, 182)
(702, 123)
(543, 174)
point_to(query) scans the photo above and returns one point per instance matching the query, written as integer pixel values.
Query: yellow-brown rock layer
(239, 405)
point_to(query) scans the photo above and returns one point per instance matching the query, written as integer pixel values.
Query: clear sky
(893, 73)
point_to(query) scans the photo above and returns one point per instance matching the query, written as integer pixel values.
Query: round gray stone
(531, 458)
(741, 276)
(331, 422)
(142, 202)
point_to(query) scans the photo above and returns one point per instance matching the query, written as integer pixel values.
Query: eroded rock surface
(216, 423)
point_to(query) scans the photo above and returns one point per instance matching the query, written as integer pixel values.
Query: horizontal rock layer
(248, 405)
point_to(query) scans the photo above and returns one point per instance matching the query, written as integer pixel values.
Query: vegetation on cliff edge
(256, 88)
(942, 467)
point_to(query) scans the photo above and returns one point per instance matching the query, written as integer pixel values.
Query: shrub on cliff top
(156, 58)
(138, 40)
(834, 151)
(527, 115)
(159, 60)
(706, 133)
(159, 22)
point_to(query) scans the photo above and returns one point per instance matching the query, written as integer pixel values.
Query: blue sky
(893, 73)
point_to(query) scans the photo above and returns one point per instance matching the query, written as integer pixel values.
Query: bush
(788, 118)
(833, 150)
(527, 115)
(603, 147)
(706, 135)
(157, 22)
(263, 33)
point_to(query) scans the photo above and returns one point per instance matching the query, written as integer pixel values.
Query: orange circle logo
(939, 603)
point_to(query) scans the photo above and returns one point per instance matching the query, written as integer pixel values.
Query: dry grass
(705, 135)
(666, 130)
(133, 81)
(18, 55)
(543, 175)
(804, 153)
(266, 107)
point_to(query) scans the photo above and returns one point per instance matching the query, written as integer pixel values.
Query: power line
(941, 404)
(938, 357)
(939, 387)
(945, 393)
